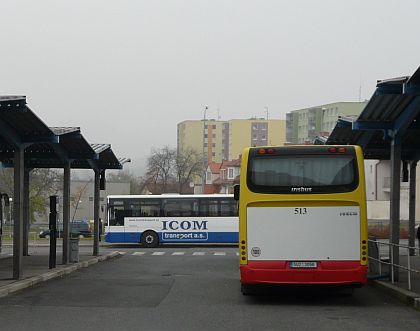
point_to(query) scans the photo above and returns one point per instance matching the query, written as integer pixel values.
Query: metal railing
(389, 261)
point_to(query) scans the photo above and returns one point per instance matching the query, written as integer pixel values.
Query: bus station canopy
(393, 113)
(48, 147)
(26, 142)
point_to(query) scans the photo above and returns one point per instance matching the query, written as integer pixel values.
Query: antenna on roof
(360, 88)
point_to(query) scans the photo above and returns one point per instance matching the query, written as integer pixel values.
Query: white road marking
(158, 253)
(237, 254)
(178, 253)
(219, 253)
(138, 253)
(199, 253)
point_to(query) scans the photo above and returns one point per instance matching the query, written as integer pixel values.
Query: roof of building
(214, 167)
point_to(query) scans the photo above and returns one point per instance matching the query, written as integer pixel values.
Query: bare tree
(160, 166)
(76, 197)
(187, 166)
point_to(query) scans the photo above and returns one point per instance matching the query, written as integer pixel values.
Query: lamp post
(204, 148)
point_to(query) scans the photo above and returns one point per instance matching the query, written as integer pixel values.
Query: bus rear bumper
(326, 272)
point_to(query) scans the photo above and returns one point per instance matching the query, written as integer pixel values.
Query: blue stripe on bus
(210, 237)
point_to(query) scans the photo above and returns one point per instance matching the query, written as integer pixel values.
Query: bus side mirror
(236, 192)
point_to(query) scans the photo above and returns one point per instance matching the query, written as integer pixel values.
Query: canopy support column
(96, 199)
(395, 205)
(26, 221)
(18, 197)
(66, 212)
(412, 209)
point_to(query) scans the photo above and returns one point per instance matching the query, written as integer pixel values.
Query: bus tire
(150, 239)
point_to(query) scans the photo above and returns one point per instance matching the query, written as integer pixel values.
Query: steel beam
(96, 198)
(26, 223)
(18, 214)
(412, 209)
(66, 213)
(395, 204)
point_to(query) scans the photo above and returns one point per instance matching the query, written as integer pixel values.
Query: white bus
(158, 219)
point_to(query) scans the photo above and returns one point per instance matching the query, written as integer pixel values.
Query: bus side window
(119, 217)
(228, 208)
(150, 208)
(209, 208)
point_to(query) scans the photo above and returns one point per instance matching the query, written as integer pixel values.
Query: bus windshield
(302, 173)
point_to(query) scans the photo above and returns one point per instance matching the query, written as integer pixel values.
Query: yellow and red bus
(302, 216)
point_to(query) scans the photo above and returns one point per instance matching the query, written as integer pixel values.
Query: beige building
(225, 140)
(254, 132)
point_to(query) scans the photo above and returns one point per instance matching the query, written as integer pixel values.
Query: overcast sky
(128, 71)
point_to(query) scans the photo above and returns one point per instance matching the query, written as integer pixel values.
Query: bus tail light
(364, 252)
(263, 151)
(337, 150)
(242, 249)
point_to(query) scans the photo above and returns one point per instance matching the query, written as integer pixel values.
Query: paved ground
(176, 288)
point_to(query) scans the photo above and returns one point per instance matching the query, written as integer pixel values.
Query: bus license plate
(303, 264)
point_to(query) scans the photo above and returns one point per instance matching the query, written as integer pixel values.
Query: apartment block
(303, 125)
(225, 140)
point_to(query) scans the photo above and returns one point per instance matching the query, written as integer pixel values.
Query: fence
(375, 255)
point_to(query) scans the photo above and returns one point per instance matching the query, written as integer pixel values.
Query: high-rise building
(225, 140)
(303, 125)
(254, 132)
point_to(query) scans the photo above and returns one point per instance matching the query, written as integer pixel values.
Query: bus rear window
(302, 174)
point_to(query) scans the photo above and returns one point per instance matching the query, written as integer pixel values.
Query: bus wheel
(150, 239)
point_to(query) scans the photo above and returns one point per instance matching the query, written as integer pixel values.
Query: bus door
(115, 231)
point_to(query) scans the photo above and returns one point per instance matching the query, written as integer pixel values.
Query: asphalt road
(180, 288)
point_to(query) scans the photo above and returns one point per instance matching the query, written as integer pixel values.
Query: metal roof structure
(47, 147)
(393, 112)
(26, 142)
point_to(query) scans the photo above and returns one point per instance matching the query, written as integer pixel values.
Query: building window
(205, 135)
(208, 176)
(214, 145)
(230, 173)
(205, 144)
(214, 127)
(214, 135)
(213, 154)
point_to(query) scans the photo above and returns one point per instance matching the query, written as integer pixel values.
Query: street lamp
(204, 149)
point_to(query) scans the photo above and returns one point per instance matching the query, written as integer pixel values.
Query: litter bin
(74, 250)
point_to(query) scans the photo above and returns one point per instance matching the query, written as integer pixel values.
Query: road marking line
(158, 253)
(122, 253)
(237, 254)
(178, 253)
(138, 253)
(199, 253)
(219, 253)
